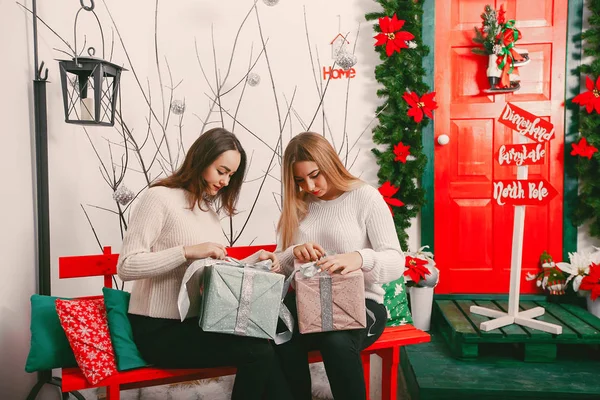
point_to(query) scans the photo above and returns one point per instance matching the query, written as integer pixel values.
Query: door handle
(443, 140)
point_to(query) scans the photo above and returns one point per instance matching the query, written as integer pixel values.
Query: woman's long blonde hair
(308, 146)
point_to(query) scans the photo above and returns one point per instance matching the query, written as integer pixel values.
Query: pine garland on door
(400, 47)
(587, 204)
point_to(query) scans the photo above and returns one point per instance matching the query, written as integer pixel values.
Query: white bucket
(593, 306)
(421, 301)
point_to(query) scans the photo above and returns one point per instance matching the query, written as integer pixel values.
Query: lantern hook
(91, 9)
(87, 8)
(40, 70)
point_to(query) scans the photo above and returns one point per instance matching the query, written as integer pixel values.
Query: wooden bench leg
(390, 358)
(366, 363)
(113, 392)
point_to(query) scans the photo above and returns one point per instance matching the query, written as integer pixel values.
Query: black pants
(340, 351)
(169, 343)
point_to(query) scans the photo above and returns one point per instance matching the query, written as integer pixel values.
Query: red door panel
(473, 234)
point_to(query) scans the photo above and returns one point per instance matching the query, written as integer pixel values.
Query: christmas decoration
(591, 98)
(391, 36)
(420, 105)
(271, 3)
(551, 277)
(395, 74)
(402, 152)
(497, 38)
(177, 107)
(420, 269)
(415, 268)
(123, 195)
(583, 149)
(253, 79)
(388, 190)
(578, 266)
(586, 206)
(346, 60)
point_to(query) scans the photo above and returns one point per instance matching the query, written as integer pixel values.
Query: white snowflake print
(398, 289)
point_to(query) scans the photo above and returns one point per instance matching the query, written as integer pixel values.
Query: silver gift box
(241, 300)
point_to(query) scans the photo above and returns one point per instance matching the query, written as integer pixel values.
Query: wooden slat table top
(579, 326)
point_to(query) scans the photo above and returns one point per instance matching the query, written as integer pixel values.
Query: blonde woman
(326, 210)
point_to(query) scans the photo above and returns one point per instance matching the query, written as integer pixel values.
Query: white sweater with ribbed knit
(358, 220)
(152, 254)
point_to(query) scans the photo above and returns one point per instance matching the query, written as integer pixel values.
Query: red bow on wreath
(508, 55)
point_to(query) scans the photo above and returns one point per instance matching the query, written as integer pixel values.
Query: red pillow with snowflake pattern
(86, 327)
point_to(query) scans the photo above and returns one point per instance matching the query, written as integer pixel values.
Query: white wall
(74, 168)
(17, 236)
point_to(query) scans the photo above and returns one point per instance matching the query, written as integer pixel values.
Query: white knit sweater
(358, 220)
(152, 254)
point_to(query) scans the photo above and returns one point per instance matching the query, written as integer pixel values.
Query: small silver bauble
(346, 60)
(123, 195)
(271, 3)
(411, 44)
(431, 279)
(253, 79)
(177, 107)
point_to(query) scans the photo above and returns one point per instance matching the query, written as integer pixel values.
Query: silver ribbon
(326, 303)
(243, 314)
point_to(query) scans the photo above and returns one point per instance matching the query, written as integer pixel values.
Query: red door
(473, 234)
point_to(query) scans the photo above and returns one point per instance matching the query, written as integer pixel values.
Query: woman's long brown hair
(203, 152)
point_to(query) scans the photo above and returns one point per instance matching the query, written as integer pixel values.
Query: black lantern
(90, 85)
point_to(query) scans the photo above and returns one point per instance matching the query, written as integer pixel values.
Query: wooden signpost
(519, 193)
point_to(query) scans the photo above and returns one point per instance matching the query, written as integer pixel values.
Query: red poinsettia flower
(592, 281)
(391, 35)
(416, 269)
(401, 151)
(591, 98)
(387, 190)
(583, 149)
(420, 105)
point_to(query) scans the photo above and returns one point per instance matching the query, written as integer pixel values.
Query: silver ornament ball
(123, 195)
(177, 107)
(431, 279)
(253, 79)
(271, 3)
(346, 60)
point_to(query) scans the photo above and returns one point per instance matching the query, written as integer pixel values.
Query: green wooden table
(460, 328)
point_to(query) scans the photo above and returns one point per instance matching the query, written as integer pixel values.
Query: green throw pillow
(49, 345)
(396, 303)
(126, 352)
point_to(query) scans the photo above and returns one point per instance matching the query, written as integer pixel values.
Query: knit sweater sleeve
(137, 260)
(286, 259)
(384, 261)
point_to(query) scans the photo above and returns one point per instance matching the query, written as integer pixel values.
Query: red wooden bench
(387, 346)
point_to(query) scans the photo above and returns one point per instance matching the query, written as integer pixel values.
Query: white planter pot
(593, 306)
(421, 301)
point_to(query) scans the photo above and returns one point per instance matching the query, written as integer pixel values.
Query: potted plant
(421, 277)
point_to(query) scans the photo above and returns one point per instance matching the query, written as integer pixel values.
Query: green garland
(587, 203)
(399, 73)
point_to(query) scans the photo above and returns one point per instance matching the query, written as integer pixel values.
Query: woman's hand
(344, 263)
(309, 251)
(267, 255)
(205, 250)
